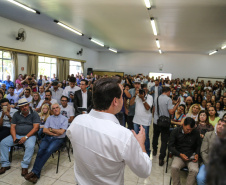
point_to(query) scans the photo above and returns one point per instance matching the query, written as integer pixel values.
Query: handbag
(163, 121)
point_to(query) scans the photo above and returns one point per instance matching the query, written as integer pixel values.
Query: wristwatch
(26, 137)
(50, 129)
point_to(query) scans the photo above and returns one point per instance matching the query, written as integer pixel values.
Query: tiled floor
(65, 175)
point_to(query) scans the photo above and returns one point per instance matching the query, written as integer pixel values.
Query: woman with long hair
(178, 116)
(213, 115)
(194, 111)
(35, 100)
(203, 124)
(44, 114)
(203, 105)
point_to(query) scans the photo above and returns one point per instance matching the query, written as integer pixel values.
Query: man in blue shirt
(8, 83)
(54, 128)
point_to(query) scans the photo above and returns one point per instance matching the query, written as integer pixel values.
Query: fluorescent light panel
(147, 4)
(97, 42)
(67, 27)
(153, 26)
(23, 6)
(160, 51)
(213, 52)
(157, 43)
(113, 50)
(223, 47)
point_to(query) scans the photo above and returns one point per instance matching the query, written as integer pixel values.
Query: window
(6, 65)
(75, 67)
(46, 66)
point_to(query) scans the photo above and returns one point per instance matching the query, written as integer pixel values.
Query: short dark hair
(104, 91)
(48, 91)
(86, 81)
(165, 89)
(72, 79)
(28, 90)
(189, 121)
(126, 85)
(11, 87)
(64, 97)
(3, 100)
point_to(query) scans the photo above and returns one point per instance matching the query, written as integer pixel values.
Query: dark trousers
(165, 133)
(130, 122)
(4, 132)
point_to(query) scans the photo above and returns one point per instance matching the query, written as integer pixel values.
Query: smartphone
(4, 108)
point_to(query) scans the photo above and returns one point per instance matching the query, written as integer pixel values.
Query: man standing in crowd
(13, 98)
(42, 92)
(156, 90)
(67, 110)
(132, 107)
(143, 115)
(8, 83)
(105, 147)
(151, 83)
(48, 100)
(54, 129)
(56, 91)
(83, 99)
(185, 146)
(24, 125)
(41, 81)
(206, 148)
(70, 90)
(166, 108)
(6, 118)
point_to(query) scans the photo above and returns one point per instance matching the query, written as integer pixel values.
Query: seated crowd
(42, 109)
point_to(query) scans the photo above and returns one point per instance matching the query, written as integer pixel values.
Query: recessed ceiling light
(113, 50)
(223, 47)
(160, 51)
(97, 42)
(153, 26)
(147, 4)
(157, 43)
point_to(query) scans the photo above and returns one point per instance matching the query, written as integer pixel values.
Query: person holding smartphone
(5, 118)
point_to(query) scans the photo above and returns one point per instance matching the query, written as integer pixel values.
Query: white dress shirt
(102, 148)
(84, 99)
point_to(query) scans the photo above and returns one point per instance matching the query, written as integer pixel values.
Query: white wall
(42, 42)
(180, 65)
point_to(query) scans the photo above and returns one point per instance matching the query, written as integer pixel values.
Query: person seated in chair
(54, 129)
(185, 144)
(24, 125)
(206, 148)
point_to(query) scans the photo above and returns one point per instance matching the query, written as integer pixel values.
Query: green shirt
(214, 122)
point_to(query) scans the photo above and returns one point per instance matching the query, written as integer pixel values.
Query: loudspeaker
(89, 71)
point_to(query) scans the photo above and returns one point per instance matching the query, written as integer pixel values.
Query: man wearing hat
(24, 125)
(56, 91)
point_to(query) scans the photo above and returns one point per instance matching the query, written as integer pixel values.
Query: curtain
(32, 65)
(82, 66)
(62, 69)
(15, 65)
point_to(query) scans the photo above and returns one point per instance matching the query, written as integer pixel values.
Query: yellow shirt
(214, 122)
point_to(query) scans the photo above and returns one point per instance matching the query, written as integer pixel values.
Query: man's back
(102, 148)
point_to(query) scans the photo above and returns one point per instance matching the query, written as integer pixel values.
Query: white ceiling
(184, 26)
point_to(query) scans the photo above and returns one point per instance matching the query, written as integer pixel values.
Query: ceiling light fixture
(23, 6)
(69, 28)
(223, 47)
(213, 52)
(153, 26)
(113, 50)
(97, 42)
(147, 4)
(157, 43)
(160, 51)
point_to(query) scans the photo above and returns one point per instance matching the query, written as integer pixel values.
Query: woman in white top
(194, 111)
(18, 89)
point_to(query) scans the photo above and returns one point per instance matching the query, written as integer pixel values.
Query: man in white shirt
(13, 98)
(102, 147)
(27, 94)
(48, 100)
(150, 83)
(143, 115)
(67, 110)
(42, 92)
(70, 90)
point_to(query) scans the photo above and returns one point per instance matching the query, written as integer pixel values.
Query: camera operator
(48, 100)
(143, 115)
